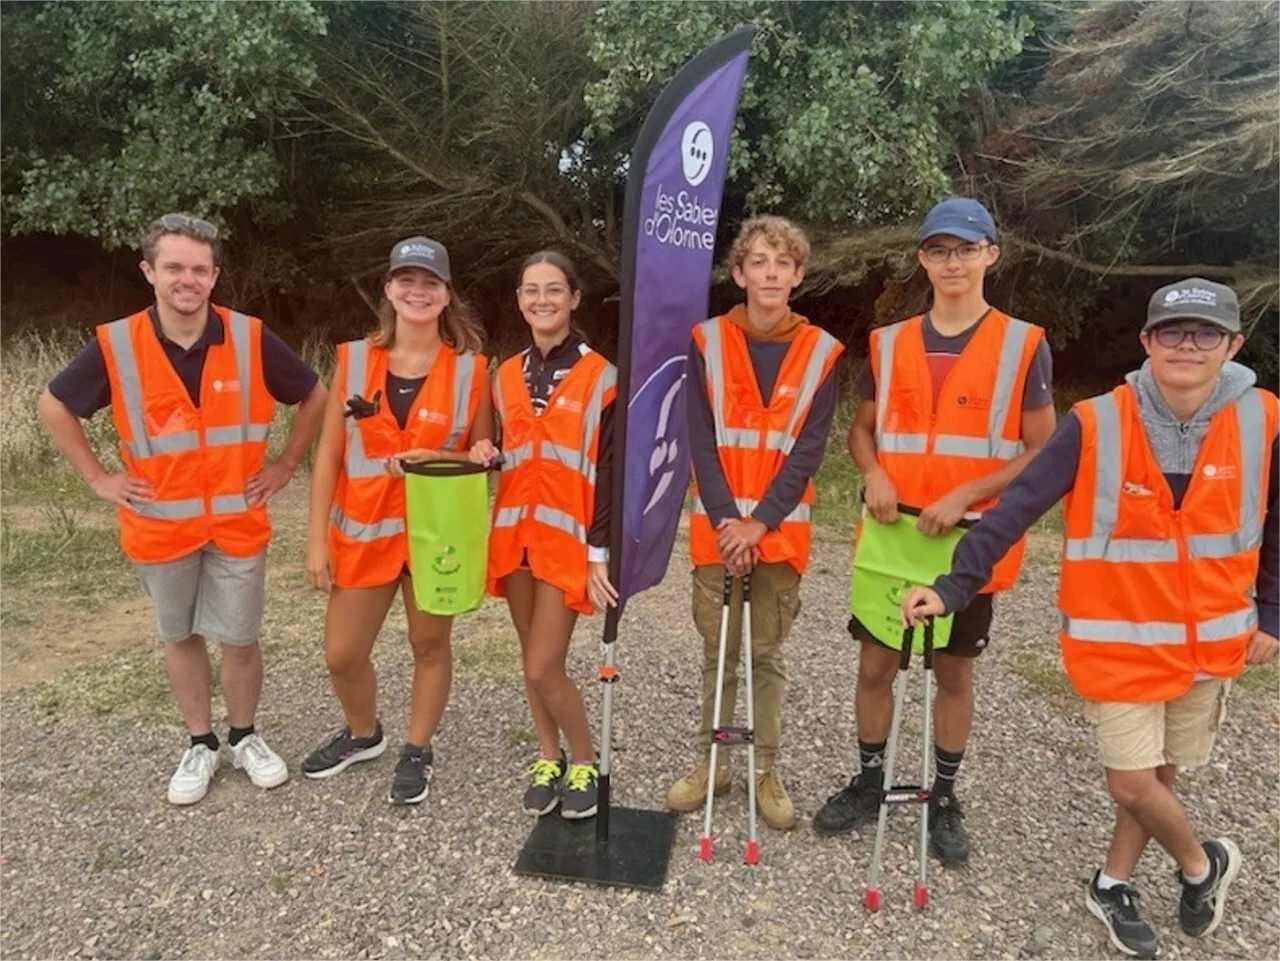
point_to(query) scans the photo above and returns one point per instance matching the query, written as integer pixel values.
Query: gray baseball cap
(1195, 298)
(420, 252)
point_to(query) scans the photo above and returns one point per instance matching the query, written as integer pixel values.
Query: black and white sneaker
(341, 751)
(546, 781)
(1117, 908)
(948, 840)
(581, 792)
(1200, 910)
(412, 781)
(854, 805)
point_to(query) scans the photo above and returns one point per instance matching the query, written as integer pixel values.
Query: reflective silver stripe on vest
(511, 459)
(130, 385)
(902, 443)
(510, 516)
(365, 532)
(888, 337)
(1252, 422)
(607, 380)
(802, 514)
(736, 436)
(226, 436)
(178, 510)
(810, 381)
(240, 340)
(559, 519)
(230, 504)
(956, 445)
(713, 357)
(169, 443)
(466, 367)
(1134, 550)
(357, 464)
(570, 458)
(1106, 492)
(1227, 626)
(1147, 633)
(1015, 341)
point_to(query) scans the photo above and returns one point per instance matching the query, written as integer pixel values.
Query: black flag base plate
(635, 856)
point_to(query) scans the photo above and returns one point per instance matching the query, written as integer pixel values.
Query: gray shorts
(209, 593)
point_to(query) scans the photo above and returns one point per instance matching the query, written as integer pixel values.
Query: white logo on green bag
(446, 562)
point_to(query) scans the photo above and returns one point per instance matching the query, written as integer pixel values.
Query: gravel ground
(96, 864)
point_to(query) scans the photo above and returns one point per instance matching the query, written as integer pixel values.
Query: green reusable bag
(890, 559)
(447, 509)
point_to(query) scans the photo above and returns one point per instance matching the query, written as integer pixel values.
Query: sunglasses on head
(183, 222)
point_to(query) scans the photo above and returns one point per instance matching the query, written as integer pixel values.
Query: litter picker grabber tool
(733, 735)
(892, 794)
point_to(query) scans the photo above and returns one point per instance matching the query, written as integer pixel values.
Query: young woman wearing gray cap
(414, 390)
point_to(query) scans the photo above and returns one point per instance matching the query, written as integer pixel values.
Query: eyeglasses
(938, 254)
(551, 291)
(1171, 336)
(183, 222)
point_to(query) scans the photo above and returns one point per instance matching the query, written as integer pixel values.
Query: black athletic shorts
(970, 631)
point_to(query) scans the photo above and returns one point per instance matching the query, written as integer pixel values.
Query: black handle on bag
(450, 468)
(965, 522)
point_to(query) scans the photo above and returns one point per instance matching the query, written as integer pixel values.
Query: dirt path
(95, 863)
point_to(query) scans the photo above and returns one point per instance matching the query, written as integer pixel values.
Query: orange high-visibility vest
(547, 485)
(977, 426)
(1152, 598)
(196, 458)
(753, 439)
(368, 545)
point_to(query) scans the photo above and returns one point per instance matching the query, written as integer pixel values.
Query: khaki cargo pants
(775, 602)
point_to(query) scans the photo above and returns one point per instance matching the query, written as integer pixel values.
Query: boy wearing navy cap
(952, 405)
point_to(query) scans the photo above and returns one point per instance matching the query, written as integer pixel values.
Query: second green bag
(447, 510)
(889, 560)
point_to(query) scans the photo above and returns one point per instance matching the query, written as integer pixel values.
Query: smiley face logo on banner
(697, 150)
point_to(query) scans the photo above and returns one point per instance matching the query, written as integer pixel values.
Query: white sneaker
(191, 781)
(266, 769)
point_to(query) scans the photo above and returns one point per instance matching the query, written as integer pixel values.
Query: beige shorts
(208, 592)
(1135, 737)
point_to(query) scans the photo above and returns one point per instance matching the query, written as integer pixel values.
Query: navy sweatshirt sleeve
(713, 489)
(1268, 585)
(1042, 483)
(787, 488)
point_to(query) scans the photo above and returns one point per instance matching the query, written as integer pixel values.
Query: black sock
(209, 740)
(871, 757)
(946, 766)
(238, 734)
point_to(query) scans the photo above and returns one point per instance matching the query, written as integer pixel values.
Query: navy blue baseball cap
(961, 217)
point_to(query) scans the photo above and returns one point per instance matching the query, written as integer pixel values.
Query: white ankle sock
(1198, 879)
(1106, 881)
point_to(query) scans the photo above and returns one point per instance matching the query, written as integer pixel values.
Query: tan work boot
(690, 792)
(772, 800)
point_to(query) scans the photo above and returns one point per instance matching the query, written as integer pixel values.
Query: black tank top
(401, 392)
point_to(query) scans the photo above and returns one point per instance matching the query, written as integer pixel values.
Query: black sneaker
(855, 804)
(948, 839)
(341, 751)
(1117, 908)
(546, 780)
(412, 781)
(1201, 907)
(581, 788)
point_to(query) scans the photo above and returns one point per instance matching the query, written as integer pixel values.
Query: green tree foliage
(847, 107)
(464, 120)
(117, 111)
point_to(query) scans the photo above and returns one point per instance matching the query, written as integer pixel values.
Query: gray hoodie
(1049, 476)
(1175, 444)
